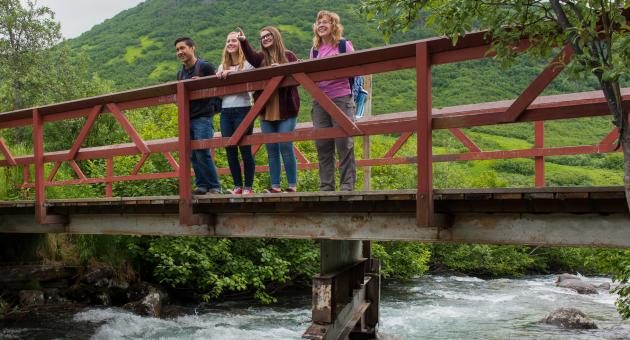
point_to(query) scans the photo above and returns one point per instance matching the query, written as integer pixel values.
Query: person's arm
(291, 57)
(221, 73)
(349, 47)
(254, 58)
(247, 66)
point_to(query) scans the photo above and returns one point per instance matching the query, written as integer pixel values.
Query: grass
(135, 52)
(163, 70)
(294, 30)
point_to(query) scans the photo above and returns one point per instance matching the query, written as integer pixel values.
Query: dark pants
(231, 118)
(205, 172)
(326, 148)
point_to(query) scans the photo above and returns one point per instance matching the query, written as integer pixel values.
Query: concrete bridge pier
(346, 292)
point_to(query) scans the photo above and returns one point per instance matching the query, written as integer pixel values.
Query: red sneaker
(248, 191)
(273, 191)
(291, 189)
(235, 191)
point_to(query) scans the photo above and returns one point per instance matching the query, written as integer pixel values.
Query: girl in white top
(234, 109)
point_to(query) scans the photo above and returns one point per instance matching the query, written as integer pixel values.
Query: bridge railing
(421, 55)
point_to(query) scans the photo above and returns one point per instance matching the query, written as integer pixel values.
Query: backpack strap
(197, 67)
(180, 74)
(342, 46)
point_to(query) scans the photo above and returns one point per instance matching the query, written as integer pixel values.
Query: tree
(26, 35)
(597, 31)
(36, 68)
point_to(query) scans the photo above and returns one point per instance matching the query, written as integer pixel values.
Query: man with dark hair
(201, 113)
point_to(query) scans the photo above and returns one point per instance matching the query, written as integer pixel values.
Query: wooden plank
(478, 196)
(507, 196)
(572, 195)
(607, 195)
(452, 196)
(539, 195)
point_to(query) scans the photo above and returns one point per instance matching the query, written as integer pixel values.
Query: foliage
(26, 34)
(547, 24)
(622, 276)
(218, 266)
(102, 248)
(402, 260)
(5, 307)
(483, 260)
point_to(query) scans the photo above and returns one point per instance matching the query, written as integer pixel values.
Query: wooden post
(109, 190)
(424, 195)
(40, 181)
(367, 171)
(186, 216)
(539, 143)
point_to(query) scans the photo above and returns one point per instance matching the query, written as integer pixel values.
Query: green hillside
(135, 48)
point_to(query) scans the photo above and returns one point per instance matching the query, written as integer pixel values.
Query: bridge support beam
(346, 292)
(41, 214)
(424, 114)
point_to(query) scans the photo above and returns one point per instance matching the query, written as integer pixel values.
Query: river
(430, 307)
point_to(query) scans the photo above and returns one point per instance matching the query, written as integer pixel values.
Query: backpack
(359, 94)
(215, 102)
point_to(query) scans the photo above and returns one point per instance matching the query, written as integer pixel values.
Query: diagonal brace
(539, 84)
(124, 122)
(346, 124)
(140, 163)
(7, 153)
(610, 138)
(468, 143)
(260, 103)
(404, 137)
(77, 170)
(80, 138)
(171, 160)
(300, 156)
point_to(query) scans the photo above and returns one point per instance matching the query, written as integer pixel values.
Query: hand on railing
(223, 74)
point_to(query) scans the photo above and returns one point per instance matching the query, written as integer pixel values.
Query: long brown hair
(336, 30)
(227, 60)
(276, 52)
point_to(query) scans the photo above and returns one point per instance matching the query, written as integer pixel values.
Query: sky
(78, 16)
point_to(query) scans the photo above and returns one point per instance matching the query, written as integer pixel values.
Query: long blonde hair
(336, 31)
(227, 60)
(276, 52)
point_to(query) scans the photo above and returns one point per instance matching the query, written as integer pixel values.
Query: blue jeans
(275, 150)
(231, 118)
(205, 172)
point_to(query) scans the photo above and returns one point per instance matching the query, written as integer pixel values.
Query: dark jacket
(206, 106)
(288, 96)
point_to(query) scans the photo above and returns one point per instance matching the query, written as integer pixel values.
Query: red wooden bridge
(345, 296)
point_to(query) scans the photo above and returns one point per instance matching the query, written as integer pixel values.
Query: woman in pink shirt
(327, 36)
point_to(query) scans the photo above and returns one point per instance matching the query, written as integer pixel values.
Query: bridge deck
(560, 216)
